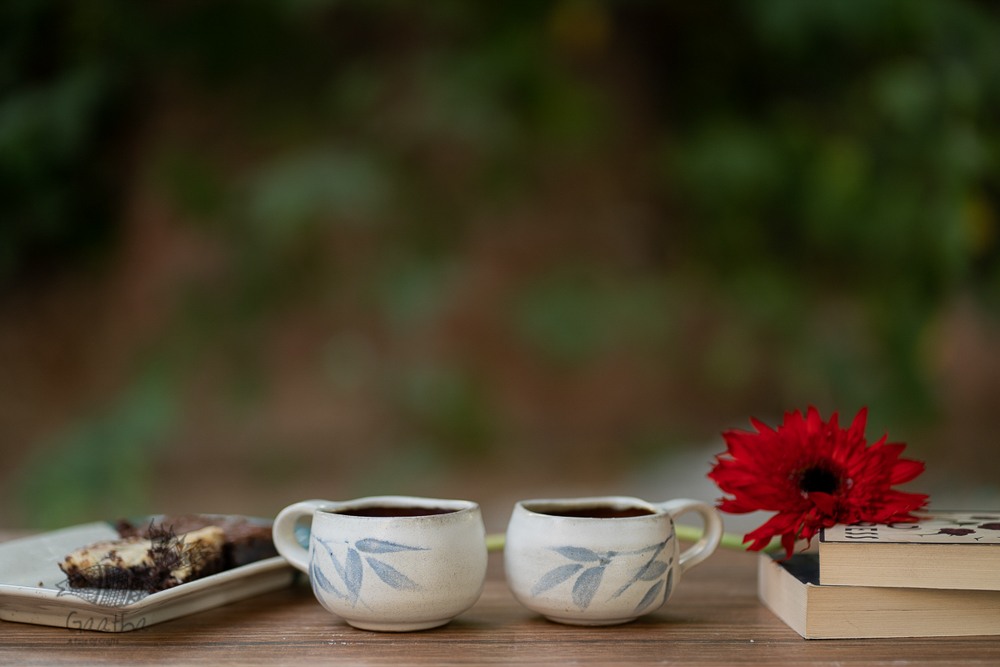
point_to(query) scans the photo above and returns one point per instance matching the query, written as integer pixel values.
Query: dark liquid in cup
(382, 512)
(598, 512)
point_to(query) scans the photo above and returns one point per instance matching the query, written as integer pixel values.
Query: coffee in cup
(390, 563)
(601, 561)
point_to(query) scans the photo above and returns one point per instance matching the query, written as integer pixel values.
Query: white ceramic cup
(389, 563)
(601, 561)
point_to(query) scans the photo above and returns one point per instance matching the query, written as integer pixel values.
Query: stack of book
(937, 577)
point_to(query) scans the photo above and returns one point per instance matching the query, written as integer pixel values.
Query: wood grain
(713, 619)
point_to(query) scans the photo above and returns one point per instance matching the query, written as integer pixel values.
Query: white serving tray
(33, 589)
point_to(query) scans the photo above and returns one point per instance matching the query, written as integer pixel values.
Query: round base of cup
(592, 622)
(408, 626)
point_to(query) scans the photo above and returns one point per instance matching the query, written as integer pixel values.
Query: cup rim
(454, 507)
(544, 507)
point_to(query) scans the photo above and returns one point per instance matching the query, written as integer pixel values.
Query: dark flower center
(819, 480)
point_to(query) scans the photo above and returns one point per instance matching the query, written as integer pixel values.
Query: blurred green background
(254, 252)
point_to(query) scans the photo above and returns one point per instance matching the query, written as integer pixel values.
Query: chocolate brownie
(168, 551)
(245, 541)
(153, 563)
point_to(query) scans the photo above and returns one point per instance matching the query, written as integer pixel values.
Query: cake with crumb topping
(246, 540)
(153, 563)
(168, 551)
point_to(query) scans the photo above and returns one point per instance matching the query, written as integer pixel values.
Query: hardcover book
(944, 549)
(791, 590)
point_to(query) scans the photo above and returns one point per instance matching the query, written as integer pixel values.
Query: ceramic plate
(33, 589)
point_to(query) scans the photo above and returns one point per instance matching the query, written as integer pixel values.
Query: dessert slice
(154, 562)
(246, 541)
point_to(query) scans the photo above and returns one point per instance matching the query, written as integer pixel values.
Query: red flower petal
(906, 470)
(824, 502)
(813, 474)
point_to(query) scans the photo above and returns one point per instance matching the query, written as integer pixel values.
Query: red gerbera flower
(814, 474)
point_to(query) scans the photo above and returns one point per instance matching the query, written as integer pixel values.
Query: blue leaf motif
(653, 571)
(391, 575)
(353, 573)
(555, 577)
(579, 554)
(333, 559)
(649, 597)
(586, 586)
(338, 567)
(319, 579)
(372, 546)
(336, 563)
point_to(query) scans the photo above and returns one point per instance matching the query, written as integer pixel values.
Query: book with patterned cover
(790, 589)
(943, 549)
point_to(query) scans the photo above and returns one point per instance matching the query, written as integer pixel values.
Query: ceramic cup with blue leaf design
(601, 561)
(389, 563)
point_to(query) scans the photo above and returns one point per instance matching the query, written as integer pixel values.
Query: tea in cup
(601, 561)
(389, 563)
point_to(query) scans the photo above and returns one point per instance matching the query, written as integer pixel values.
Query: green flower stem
(495, 542)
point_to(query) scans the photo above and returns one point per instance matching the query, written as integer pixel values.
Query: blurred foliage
(105, 467)
(823, 176)
(851, 149)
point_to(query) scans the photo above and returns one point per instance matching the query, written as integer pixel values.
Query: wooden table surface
(714, 618)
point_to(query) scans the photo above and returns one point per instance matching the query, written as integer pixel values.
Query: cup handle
(283, 532)
(711, 537)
